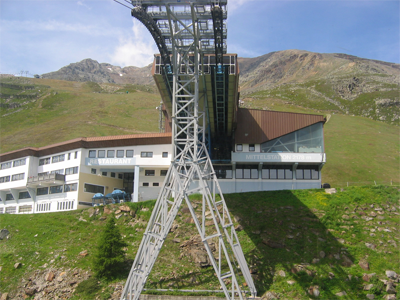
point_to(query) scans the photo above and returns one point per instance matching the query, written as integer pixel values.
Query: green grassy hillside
(292, 241)
(359, 150)
(65, 110)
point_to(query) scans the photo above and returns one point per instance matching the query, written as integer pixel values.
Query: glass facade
(307, 140)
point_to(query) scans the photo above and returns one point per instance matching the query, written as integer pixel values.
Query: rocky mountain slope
(328, 83)
(91, 70)
(337, 83)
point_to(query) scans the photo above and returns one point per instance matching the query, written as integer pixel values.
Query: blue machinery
(198, 83)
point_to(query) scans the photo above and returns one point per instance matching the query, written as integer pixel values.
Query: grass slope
(303, 222)
(66, 110)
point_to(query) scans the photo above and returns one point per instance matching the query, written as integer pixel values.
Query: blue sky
(42, 36)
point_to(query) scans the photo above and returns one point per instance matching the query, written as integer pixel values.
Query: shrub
(110, 253)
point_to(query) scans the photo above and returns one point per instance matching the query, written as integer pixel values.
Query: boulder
(3, 234)
(346, 262)
(125, 208)
(367, 277)
(391, 274)
(17, 265)
(390, 288)
(49, 276)
(4, 296)
(364, 264)
(30, 291)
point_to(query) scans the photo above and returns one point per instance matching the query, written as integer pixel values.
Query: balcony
(46, 179)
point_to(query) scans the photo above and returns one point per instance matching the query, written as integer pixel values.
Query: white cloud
(136, 50)
(81, 3)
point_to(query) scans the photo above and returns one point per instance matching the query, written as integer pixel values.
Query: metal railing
(46, 177)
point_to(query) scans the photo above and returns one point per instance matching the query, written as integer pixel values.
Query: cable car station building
(251, 150)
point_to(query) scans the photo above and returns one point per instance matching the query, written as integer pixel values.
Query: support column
(136, 185)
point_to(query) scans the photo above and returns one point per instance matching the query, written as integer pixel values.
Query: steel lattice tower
(184, 31)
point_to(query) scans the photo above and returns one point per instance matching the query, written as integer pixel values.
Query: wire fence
(364, 183)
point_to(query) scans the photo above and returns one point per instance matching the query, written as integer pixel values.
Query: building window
(149, 172)
(6, 165)
(103, 173)
(165, 154)
(145, 184)
(11, 209)
(56, 189)
(239, 147)
(43, 206)
(101, 153)
(9, 197)
(44, 161)
(63, 205)
(112, 174)
(4, 179)
(19, 162)
(252, 147)
(92, 153)
(24, 195)
(120, 153)
(163, 172)
(72, 187)
(42, 191)
(307, 172)
(223, 172)
(16, 177)
(25, 209)
(129, 153)
(76, 154)
(58, 158)
(246, 171)
(120, 176)
(110, 153)
(146, 154)
(277, 172)
(69, 156)
(61, 171)
(70, 171)
(156, 184)
(306, 140)
(93, 171)
(91, 188)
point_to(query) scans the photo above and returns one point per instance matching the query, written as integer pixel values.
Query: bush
(110, 254)
(87, 287)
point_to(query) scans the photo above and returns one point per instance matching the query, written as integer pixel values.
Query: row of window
(14, 177)
(57, 158)
(72, 187)
(239, 147)
(68, 171)
(267, 172)
(13, 209)
(15, 163)
(120, 154)
(148, 184)
(112, 174)
(111, 153)
(153, 172)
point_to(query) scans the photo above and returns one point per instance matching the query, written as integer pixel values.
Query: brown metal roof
(259, 126)
(91, 142)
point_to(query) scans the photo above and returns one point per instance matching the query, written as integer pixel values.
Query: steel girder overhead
(187, 40)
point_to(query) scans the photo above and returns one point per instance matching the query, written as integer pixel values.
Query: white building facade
(65, 176)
